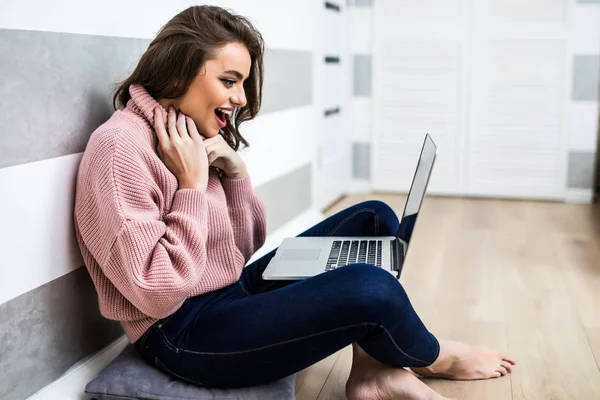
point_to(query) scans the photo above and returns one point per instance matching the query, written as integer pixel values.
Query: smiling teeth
(226, 112)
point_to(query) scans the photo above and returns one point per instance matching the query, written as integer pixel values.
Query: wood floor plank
(544, 330)
(469, 304)
(310, 381)
(335, 386)
(593, 337)
(520, 276)
(580, 266)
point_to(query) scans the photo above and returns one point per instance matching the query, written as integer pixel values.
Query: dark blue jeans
(257, 331)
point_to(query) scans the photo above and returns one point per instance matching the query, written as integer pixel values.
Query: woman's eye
(228, 82)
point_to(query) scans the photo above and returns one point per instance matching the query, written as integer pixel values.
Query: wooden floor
(520, 276)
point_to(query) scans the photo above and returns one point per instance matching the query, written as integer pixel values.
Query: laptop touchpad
(300, 254)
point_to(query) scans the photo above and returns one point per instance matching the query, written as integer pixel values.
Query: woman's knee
(377, 205)
(386, 220)
(372, 287)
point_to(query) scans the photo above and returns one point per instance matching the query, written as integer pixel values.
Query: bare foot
(463, 362)
(372, 380)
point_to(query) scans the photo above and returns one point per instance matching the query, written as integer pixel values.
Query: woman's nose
(239, 100)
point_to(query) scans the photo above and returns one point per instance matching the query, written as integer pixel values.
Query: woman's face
(216, 90)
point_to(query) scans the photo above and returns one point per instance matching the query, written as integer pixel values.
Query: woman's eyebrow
(235, 73)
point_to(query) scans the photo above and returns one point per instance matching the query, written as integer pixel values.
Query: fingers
(159, 128)
(181, 126)
(192, 130)
(212, 156)
(172, 123)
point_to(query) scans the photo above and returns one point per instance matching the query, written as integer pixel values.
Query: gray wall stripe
(288, 80)
(581, 169)
(361, 160)
(287, 196)
(362, 75)
(588, 1)
(60, 88)
(47, 330)
(586, 77)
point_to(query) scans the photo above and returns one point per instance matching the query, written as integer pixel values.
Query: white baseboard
(71, 384)
(585, 196)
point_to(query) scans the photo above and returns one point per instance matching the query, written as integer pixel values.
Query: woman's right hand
(181, 149)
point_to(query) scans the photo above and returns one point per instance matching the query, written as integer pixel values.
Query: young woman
(166, 218)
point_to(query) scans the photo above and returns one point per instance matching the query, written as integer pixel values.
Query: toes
(508, 366)
(508, 359)
(502, 370)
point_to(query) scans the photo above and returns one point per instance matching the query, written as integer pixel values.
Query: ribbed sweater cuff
(191, 201)
(237, 191)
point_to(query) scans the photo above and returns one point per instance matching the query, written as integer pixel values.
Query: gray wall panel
(361, 160)
(60, 88)
(581, 169)
(586, 77)
(288, 80)
(362, 75)
(287, 196)
(47, 330)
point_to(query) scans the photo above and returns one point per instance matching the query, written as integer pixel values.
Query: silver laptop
(303, 257)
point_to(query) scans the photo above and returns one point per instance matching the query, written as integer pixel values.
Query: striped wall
(361, 30)
(584, 106)
(59, 63)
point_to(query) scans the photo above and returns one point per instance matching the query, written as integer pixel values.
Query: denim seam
(163, 322)
(144, 337)
(167, 342)
(265, 287)
(338, 226)
(176, 349)
(401, 351)
(243, 288)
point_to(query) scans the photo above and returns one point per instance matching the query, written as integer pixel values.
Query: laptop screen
(417, 189)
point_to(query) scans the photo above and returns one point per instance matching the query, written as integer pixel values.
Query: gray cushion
(129, 377)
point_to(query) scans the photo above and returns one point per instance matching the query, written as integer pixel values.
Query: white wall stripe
(583, 127)
(37, 235)
(361, 119)
(141, 19)
(38, 239)
(586, 21)
(361, 29)
(280, 142)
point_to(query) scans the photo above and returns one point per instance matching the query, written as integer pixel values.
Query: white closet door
(516, 142)
(419, 74)
(331, 98)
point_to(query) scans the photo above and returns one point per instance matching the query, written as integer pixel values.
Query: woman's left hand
(221, 156)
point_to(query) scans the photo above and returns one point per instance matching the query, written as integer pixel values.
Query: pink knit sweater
(147, 245)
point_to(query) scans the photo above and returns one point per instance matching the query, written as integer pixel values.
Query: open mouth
(222, 115)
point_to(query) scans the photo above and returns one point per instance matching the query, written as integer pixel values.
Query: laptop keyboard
(344, 252)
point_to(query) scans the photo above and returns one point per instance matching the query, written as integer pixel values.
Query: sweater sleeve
(247, 213)
(155, 260)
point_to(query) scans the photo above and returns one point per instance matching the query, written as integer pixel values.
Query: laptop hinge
(397, 252)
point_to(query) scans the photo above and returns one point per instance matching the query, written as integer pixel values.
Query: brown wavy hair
(181, 48)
